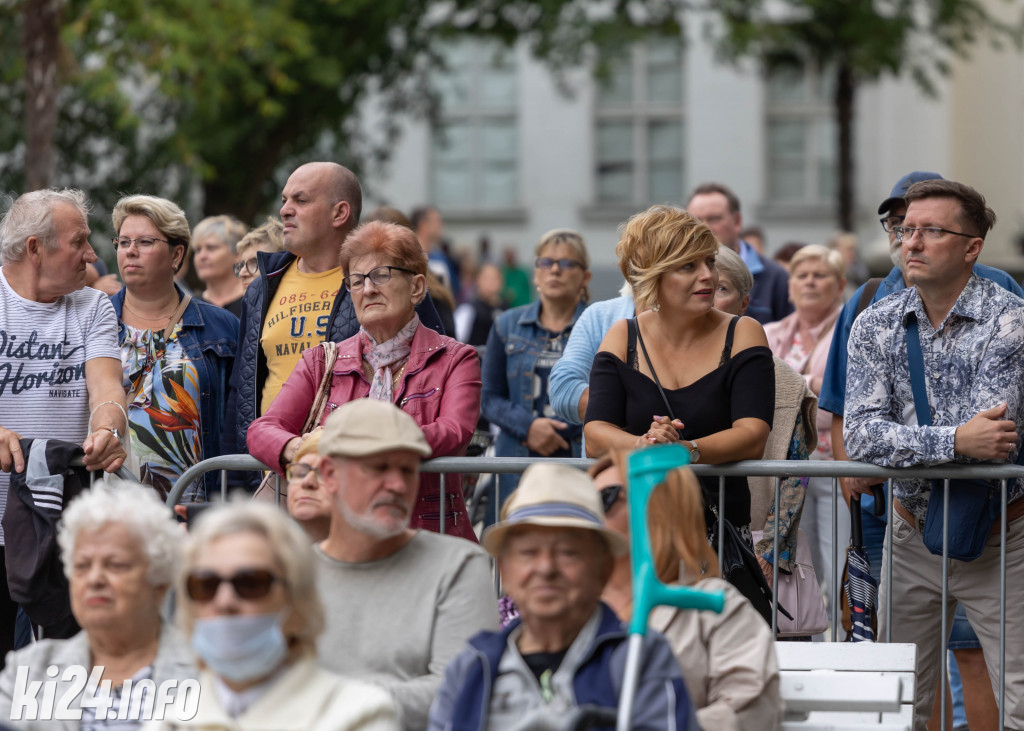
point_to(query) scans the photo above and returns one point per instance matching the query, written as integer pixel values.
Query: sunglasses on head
(202, 586)
(610, 495)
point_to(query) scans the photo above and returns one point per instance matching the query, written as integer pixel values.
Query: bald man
(297, 301)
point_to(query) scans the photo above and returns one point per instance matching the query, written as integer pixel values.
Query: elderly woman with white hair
(248, 601)
(793, 435)
(817, 278)
(120, 548)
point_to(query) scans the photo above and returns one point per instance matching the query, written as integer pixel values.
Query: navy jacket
(769, 299)
(662, 703)
(208, 336)
(250, 371)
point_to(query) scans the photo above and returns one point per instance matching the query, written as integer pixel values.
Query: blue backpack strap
(916, 362)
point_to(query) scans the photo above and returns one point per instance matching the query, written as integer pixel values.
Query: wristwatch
(115, 432)
(694, 452)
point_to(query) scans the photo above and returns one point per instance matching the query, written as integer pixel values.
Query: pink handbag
(800, 593)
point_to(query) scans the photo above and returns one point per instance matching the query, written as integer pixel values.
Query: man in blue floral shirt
(972, 338)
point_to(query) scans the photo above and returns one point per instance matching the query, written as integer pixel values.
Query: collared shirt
(973, 361)
(751, 258)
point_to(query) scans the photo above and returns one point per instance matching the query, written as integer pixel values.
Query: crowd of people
(322, 344)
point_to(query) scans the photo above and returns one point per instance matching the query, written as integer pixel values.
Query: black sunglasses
(202, 586)
(610, 495)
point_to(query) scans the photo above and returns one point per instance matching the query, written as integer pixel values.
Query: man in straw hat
(400, 603)
(567, 649)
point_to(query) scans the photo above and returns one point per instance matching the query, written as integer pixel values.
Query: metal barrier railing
(748, 468)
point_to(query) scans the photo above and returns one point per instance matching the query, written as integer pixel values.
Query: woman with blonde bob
(682, 371)
(727, 659)
(248, 602)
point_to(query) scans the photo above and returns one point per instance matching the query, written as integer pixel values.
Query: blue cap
(902, 185)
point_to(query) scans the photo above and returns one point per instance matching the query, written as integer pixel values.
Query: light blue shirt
(570, 376)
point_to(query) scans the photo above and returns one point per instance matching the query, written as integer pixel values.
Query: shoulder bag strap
(654, 375)
(316, 411)
(916, 362)
(867, 294)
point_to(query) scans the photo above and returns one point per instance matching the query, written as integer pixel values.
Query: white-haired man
(60, 369)
(401, 603)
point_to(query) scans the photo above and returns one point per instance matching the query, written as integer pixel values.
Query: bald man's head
(320, 204)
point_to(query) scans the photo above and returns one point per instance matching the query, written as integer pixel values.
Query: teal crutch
(645, 470)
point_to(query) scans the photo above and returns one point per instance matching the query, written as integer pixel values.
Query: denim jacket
(513, 347)
(208, 335)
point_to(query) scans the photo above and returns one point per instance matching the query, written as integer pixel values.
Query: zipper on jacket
(429, 393)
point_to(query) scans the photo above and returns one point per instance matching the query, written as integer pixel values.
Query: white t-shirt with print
(43, 350)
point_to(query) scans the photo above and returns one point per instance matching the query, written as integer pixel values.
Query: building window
(801, 135)
(640, 126)
(475, 148)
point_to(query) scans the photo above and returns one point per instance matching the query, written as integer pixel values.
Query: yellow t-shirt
(296, 320)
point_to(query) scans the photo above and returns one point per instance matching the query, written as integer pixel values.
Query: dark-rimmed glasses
(143, 242)
(249, 266)
(202, 586)
(378, 275)
(298, 471)
(546, 262)
(610, 495)
(890, 222)
(930, 234)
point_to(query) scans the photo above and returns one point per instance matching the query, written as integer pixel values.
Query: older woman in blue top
(176, 352)
(524, 344)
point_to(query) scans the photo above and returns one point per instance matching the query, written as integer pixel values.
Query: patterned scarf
(381, 356)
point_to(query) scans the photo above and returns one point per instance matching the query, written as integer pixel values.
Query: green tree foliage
(861, 41)
(156, 95)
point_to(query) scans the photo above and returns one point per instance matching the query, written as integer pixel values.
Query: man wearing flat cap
(400, 603)
(567, 649)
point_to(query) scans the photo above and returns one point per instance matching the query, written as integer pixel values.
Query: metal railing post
(721, 519)
(943, 685)
(775, 560)
(1002, 604)
(887, 557)
(834, 560)
(443, 505)
(223, 484)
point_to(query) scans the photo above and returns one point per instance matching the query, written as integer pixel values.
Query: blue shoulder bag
(973, 504)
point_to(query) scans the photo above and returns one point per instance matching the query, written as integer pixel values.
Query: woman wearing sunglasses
(120, 549)
(728, 659)
(248, 602)
(433, 378)
(524, 344)
(176, 352)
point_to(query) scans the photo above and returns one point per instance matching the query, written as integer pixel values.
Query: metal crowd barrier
(748, 468)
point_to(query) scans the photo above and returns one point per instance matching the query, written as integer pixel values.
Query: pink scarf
(381, 356)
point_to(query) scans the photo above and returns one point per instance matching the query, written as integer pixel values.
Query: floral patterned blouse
(163, 415)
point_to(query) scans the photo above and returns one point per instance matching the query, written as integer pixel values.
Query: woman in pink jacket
(433, 378)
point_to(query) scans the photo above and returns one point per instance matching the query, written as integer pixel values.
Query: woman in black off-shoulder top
(716, 370)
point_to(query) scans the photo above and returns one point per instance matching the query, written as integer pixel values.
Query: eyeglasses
(610, 495)
(249, 266)
(891, 222)
(143, 242)
(378, 275)
(202, 586)
(931, 234)
(298, 471)
(546, 262)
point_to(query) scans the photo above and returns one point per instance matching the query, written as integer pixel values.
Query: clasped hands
(103, 451)
(663, 430)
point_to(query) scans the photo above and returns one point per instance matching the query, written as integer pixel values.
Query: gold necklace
(396, 379)
(162, 318)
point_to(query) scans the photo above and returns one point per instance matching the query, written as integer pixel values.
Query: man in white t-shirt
(59, 359)
(400, 603)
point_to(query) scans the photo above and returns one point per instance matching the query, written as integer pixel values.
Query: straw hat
(557, 496)
(366, 426)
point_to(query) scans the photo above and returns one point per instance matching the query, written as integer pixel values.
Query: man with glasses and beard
(401, 603)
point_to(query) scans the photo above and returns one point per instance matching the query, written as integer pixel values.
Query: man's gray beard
(896, 254)
(370, 526)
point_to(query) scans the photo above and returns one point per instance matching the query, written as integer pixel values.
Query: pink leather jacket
(440, 389)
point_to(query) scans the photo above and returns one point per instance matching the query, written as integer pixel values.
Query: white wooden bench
(843, 686)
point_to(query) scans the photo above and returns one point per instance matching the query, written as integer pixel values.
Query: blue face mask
(240, 648)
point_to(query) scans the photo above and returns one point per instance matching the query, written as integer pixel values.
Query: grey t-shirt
(397, 622)
(43, 350)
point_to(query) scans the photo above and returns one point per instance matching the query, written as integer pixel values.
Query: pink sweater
(440, 390)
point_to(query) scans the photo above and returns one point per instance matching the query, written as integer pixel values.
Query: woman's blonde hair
(310, 444)
(291, 550)
(270, 236)
(832, 259)
(656, 241)
(166, 215)
(675, 523)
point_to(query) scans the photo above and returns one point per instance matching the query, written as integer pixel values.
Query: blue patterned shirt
(972, 362)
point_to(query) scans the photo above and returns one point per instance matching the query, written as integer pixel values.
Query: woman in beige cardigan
(728, 660)
(793, 435)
